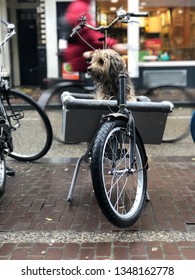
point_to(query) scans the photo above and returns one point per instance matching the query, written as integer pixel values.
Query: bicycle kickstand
(74, 178)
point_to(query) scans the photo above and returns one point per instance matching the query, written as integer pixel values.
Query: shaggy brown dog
(104, 71)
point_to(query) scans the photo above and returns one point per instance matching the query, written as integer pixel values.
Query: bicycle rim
(179, 119)
(178, 95)
(2, 176)
(32, 132)
(192, 126)
(120, 192)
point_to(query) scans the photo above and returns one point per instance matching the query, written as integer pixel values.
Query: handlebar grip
(75, 30)
(5, 22)
(138, 14)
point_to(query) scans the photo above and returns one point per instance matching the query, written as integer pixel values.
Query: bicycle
(117, 157)
(23, 117)
(192, 126)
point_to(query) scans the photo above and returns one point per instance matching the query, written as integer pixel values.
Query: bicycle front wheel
(31, 129)
(120, 189)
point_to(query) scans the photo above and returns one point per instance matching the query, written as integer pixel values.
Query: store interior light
(112, 9)
(142, 5)
(114, 1)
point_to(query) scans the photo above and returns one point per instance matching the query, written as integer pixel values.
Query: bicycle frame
(18, 108)
(121, 102)
(10, 33)
(122, 113)
(4, 84)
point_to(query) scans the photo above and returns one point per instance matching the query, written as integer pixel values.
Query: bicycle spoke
(117, 190)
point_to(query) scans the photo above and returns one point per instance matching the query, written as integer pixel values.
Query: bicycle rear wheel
(32, 132)
(120, 190)
(179, 118)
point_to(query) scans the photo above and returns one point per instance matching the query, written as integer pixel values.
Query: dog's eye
(101, 61)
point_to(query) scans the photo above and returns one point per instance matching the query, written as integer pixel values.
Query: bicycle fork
(122, 101)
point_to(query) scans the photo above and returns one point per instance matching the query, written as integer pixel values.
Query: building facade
(162, 44)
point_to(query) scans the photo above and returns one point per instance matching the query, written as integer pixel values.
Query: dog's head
(105, 65)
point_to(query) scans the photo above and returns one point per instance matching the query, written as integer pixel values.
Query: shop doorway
(27, 45)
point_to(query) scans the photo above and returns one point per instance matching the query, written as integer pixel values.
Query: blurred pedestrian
(76, 52)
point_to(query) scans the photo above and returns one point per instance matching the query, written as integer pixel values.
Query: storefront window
(169, 32)
(106, 12)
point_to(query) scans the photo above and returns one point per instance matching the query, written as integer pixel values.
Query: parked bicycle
(192, 126)
(117, 156)
(182, 98)
(183, 101)
(26, 132)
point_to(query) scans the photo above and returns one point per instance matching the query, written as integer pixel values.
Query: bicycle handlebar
(138, 15)
(4, 22)
(75, 30)
(122, 15)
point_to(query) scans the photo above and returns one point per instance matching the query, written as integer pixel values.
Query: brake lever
(80, 26)
(75, 30)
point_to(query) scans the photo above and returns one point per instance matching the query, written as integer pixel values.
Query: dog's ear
(88, 54)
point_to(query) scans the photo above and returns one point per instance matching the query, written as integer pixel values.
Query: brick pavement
(37, 222)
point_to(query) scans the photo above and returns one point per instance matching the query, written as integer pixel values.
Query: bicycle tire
(192, 126)
(177, 95)
(103, 175)
(2, 176)
(173, 93)
(32, 136)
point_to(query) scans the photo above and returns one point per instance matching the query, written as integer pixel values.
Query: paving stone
(37, 222)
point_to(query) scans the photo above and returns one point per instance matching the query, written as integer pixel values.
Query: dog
(104, 69)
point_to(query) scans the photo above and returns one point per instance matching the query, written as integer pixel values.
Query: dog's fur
(105, 67)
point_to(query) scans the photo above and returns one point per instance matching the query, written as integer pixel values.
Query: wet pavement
(37, 222)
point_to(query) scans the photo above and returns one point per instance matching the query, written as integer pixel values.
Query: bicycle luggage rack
(82, 114)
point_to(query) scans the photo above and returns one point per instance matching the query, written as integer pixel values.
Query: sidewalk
(37, 222)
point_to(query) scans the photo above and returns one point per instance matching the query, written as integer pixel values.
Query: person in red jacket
(76, 47)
